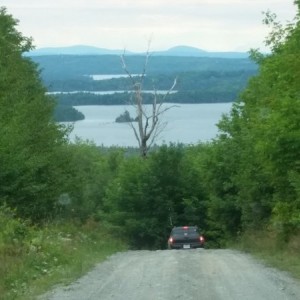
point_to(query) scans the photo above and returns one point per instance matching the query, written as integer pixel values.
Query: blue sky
(216, 25)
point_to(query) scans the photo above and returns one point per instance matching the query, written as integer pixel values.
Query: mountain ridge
(180, 50)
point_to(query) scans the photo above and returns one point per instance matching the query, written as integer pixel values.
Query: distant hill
(196, 52)
(185, 51)
(75, 50)
(181, 51)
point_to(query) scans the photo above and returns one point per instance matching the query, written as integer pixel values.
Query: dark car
(185, 237)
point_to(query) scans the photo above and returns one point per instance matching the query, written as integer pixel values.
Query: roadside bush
(272, 247)
(34, 259)
(12, 230)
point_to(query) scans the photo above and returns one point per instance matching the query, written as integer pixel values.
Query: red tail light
(202, 239)
(171, 240)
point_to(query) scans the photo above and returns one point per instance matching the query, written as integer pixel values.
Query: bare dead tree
(149, 121)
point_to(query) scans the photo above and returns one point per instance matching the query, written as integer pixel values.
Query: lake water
(110, 76)
(158, 92)
(186, 123)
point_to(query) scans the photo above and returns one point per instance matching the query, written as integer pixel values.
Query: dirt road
(183, 274)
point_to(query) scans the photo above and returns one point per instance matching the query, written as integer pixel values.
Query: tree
(259, 144)
(125, 118)
(149, 121)
(149, 196)
(30, 141)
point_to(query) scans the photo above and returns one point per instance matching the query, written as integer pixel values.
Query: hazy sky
(219, 25)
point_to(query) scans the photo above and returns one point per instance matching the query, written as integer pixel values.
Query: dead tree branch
(149, 125)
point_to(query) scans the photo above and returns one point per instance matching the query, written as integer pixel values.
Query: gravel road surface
(180, 274)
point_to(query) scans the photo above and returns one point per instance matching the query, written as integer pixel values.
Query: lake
(185, 123)
(158, 92)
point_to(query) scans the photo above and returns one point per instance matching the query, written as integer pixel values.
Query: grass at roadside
(274, 251)
(34, 259)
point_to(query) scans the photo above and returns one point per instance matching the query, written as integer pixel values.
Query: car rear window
(179, 230)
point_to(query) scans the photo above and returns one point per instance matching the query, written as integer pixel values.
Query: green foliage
(273, 248)
(11, 39)
(30, 140)
(13, 230)
(257, 152)
(88, 171)
(216, 162)
(34, 259)
(150, 196)
(42, 176)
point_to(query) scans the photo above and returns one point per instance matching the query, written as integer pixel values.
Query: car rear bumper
(186, 246)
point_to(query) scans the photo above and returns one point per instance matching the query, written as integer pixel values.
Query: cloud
(209, 24)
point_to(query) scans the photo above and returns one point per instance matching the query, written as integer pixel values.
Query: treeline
(67, 113)
(61, 67)
(185, 81)
(210, 96)
(192, 87)
(247, 178)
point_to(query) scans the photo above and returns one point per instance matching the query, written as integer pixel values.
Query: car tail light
(171, 240)
(185, 227)
(202, 239)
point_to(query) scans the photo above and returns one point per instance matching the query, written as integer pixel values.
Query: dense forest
(62, 67)
(246, 178)
(66, 113)
(191, 87)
